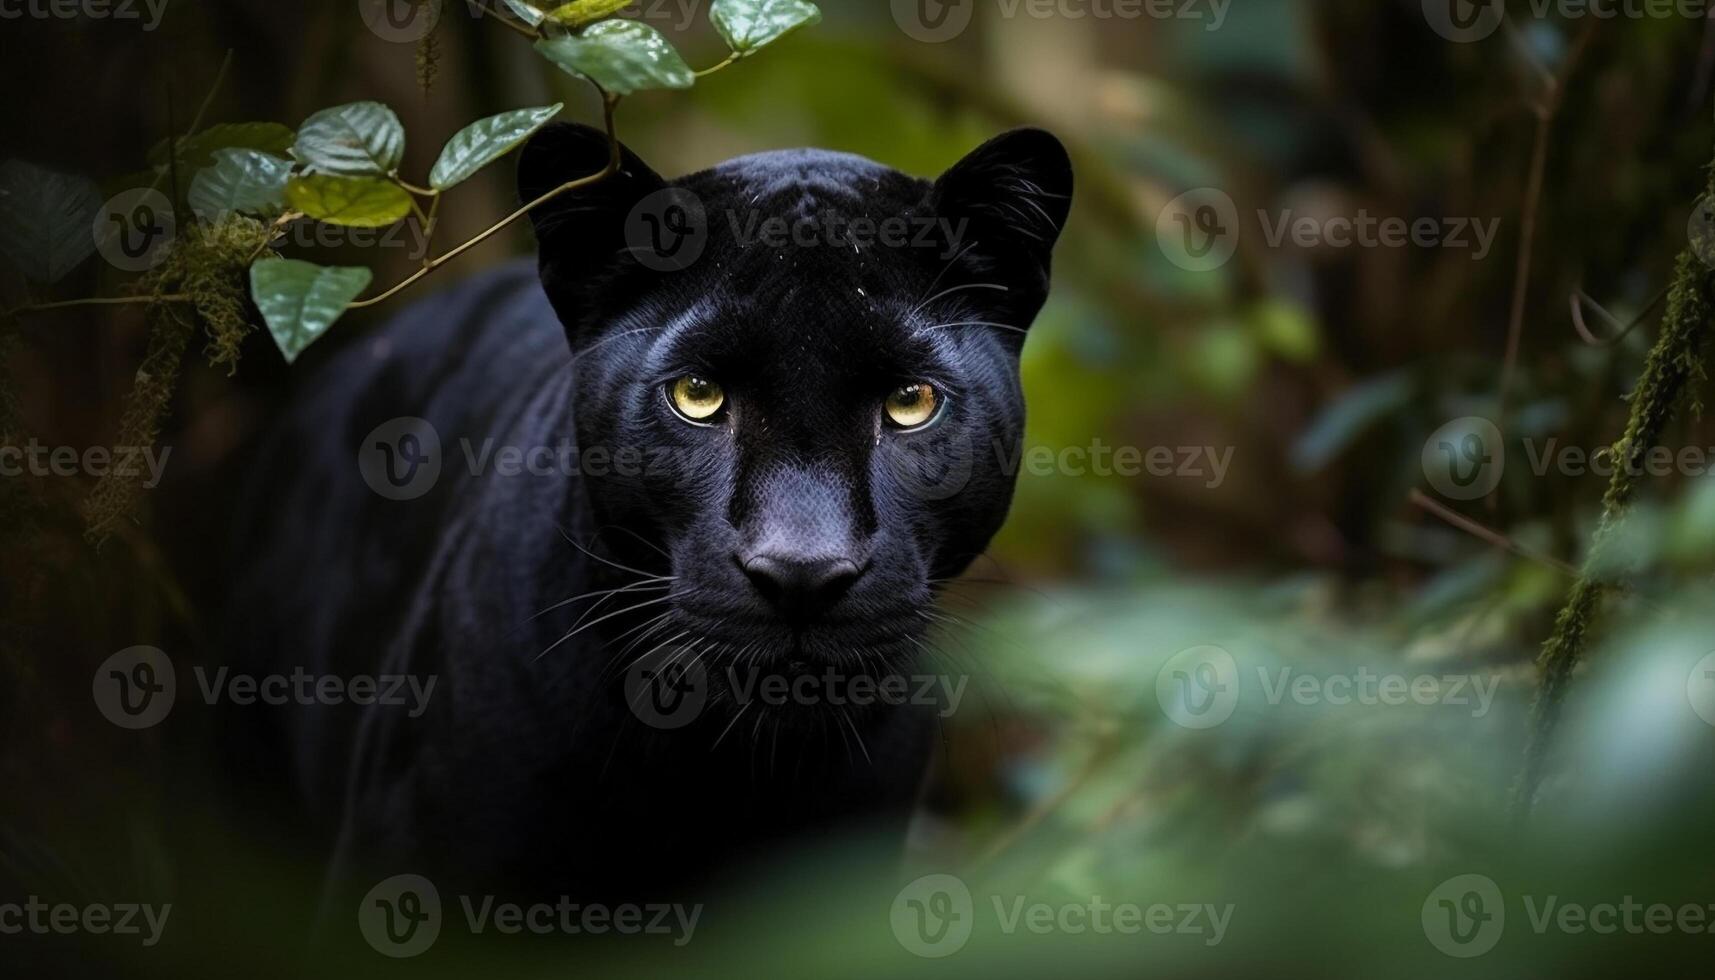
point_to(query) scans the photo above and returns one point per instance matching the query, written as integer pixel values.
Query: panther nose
(800, 588)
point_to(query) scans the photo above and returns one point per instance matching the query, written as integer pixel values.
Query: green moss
(208, 265)
(1673, 365)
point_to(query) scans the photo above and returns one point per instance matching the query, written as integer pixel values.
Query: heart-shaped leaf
(485, 141)
(582, 13)
(240, 180)
(360, 139)
(46, 219)
(749, 24)
(526, 13)
(197, 150)
(359, 202)
(300, 300)
(622, 56)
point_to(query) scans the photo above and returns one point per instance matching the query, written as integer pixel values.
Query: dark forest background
(1328, 548)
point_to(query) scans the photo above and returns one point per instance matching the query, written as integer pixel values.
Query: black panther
(785, 444)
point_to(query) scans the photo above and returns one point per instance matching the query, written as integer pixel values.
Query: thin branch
(731, 59)
(612, 167)
(279, 225)
(1546, 111)
(1488, 534)
(429, 228)
(99, 301)
(412, 188)
(529, 32)
(196, 123)
(1581, 299)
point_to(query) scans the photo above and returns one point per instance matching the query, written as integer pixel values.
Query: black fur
(532, 772)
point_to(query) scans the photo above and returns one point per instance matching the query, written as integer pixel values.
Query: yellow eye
(912, 405)
(696, 398)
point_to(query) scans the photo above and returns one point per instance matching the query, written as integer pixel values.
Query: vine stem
(608, 104)
(1546, 112)
(1674, 361)
(730, 60)
(419, 191)
(98, 301)
(196, 124)
(528, 32)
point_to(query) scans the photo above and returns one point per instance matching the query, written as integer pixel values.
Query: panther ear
(1007, 202)
(580, 235)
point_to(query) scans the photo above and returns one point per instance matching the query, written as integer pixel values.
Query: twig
(196, 124)
(730, 60)
(612, 167)
(1488, 534)
(1581, 299)
(99, 301)
(1546, 111)
(525, 30)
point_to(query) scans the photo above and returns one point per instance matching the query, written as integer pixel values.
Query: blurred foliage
(1324, 371)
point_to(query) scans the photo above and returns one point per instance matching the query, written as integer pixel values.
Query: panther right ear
(580, 235)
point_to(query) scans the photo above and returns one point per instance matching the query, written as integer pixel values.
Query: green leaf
(749, 24)
(622, 56)
(526, 13)
(197, 150)
(359, 202)
(47, 219)
(582, 13)
(485, 141)
(240, 180)
(300, 300)
(361, 139)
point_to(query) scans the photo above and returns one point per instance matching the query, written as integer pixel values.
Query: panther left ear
(580, 235)
(1014, 194)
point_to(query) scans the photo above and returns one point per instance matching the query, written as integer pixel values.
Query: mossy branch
(1674, 362)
